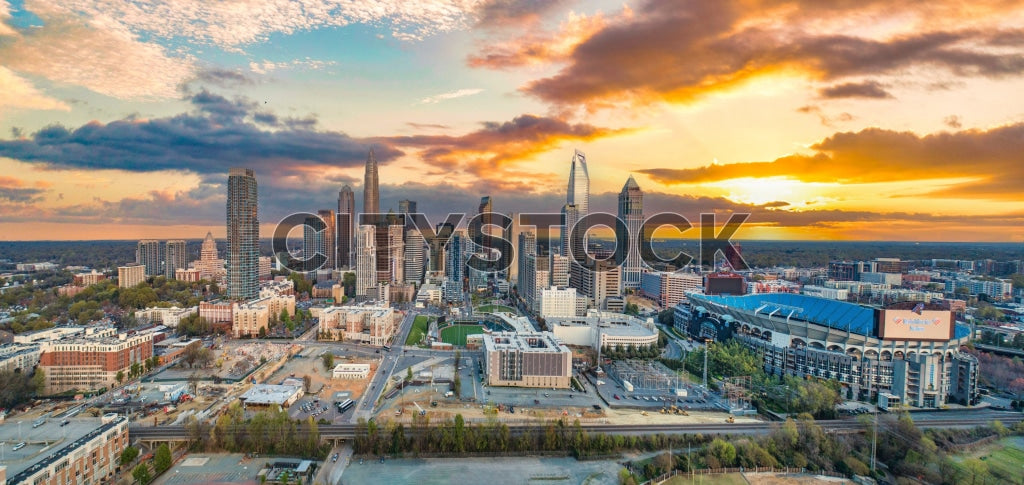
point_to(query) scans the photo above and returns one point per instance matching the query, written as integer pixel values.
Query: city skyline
(862, 121)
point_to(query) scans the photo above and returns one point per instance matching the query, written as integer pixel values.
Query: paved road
(389, 360)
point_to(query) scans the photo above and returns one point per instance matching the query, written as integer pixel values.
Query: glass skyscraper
(243, 235)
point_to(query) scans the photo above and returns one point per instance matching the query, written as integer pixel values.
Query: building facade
(627, 248)
(526, 360)
(148, 255)
(91, 363)
(243, 229)
(175, 257)
(131, 275)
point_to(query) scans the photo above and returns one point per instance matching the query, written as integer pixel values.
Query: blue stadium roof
(837, 314)
(822, 311)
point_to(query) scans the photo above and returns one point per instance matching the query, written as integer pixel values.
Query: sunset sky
(844, 119)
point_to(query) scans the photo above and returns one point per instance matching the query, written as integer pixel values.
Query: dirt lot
(309, 363)
(448, 408)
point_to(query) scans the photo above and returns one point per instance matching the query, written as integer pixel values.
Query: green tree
(38, 384)
(119, 376)
(328, 359)
(128, 455)
(141, 474)
(162, 459)
(408, 373)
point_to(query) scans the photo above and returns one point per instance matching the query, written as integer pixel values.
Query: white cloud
(5, 13)
(450, 95)
(97, 54)
(229, 24)
(308, 64)
(17, 92)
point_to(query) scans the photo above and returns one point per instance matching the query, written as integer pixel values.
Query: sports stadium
(906, 354)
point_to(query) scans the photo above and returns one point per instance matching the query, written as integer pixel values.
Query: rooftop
(826, 312)
(269, 394)
(523, 342)
(40, 442)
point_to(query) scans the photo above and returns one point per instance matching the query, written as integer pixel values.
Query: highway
(947, 419)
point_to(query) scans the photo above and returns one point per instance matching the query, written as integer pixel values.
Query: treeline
(18, 387)
(266, 432)
(781, 394)
(454, 436)
(909, 454)
(642, 352)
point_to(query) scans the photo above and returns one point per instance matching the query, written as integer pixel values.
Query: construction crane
(423, 412)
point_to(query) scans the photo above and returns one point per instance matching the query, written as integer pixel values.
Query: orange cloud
(990, 157)
(673, 51)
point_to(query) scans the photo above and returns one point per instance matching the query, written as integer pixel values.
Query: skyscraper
(415, 249)
(209, 265)
(366, 260)
(407, 206)
(328, 238)
(631, 211)
(174, 257)
(577, 195)
(578, 192)
(526, 245)
(148, 255)
(371, 191)
(346, 224)
(396, 261)
(243, 235)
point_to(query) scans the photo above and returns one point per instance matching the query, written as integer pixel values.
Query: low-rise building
(91, 278)
(604, 329)
(190, 275)
(558, 302)
(89, 363)
(669, 288)
(19, 357)
(169, 317)
(526, 360)
(267, 395)
(88, 453)
(372, 325)
(351, 371)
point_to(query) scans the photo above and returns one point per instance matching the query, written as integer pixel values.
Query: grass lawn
(1004, 458)
(719, 479)
(419, 329)
(456, 334)
(497, 308)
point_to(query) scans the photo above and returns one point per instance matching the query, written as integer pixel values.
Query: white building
(668, 289)
(372, 325)
(558, 302)
(604, 329)
(351, 371)
(823, 292)
(169, 317)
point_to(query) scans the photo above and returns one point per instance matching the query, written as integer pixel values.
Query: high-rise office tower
(396, 261)
(631, 211)
(366, 260)
(560, 271)
(437, 250)
(371, 191)
(329, 238)
(318, 242)
(243, 235)
(415, 252)
(572, 215)
(346, 223)
(510, 258)
(210, 266)
(148, 255)
(455, 264)
(175, 257)
(578, 192)
(407, 206)
(526, 245)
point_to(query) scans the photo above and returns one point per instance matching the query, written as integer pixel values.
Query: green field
(717, 479)
(1004, 458)
(496, 308)
(456, 334)
(419, 329)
